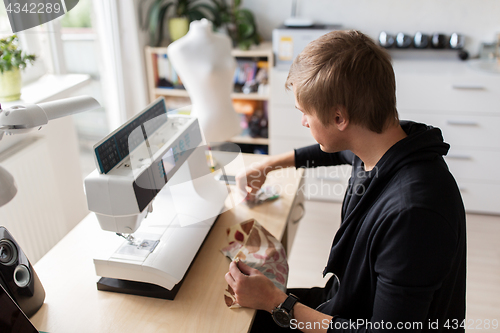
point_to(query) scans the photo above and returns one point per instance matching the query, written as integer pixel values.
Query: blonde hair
(346, 69)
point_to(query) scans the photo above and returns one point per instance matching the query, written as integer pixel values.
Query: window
(79, 42)
(68, 45)
(31, 41)
(4, 23)
(81, 54)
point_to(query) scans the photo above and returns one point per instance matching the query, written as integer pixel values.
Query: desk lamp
(17, 275)
(21, 119)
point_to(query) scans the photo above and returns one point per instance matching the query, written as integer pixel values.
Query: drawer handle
(468, 87)
(462, 123)
(302, 212)
(459, 157)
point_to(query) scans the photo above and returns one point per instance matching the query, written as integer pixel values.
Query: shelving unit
(167, 92)
(180, 97)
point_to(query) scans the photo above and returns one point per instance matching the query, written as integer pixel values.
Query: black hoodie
(400, 251)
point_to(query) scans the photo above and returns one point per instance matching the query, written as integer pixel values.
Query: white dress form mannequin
(204, 62)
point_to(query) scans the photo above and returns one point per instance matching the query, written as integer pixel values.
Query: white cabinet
(449, 88)
(287, 123)
(473, 130)
(464, 103)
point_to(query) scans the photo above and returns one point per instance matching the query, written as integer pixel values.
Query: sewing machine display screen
(117, 146)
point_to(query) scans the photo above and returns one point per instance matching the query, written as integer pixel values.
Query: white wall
(477, 19)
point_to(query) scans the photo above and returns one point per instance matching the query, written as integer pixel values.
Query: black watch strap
(288, 304)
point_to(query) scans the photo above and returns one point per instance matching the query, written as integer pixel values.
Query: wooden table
(73, 303)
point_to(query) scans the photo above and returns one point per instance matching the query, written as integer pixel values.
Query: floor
(316, 230)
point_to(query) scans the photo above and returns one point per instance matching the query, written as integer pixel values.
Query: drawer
(287, 122)
(461, 130)
(469, 164)
(480, 197)
(445, 91)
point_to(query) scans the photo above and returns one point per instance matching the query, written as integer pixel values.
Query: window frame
(44, 41)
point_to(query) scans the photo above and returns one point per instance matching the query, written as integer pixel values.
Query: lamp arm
(21, 119)
(68, 106)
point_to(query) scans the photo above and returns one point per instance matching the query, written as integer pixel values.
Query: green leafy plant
(11, 57)
(159, 10)
(239, 23)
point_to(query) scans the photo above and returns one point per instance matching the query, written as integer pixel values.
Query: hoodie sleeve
(313, 156)
(412, 259)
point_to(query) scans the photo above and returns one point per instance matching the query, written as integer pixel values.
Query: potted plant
(238, 22)
(12, 59)
(181, 13)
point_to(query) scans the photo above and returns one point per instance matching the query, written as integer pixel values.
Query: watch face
(282, 318)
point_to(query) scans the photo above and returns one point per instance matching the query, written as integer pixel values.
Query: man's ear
(341, 120)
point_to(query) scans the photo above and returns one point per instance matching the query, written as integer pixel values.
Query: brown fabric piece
(256, 247)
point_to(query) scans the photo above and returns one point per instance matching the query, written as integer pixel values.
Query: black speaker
(18, 277)
(12, 319)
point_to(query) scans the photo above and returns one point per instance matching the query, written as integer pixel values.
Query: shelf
(249, 140)
(171, 92)
(184, 93)
(264, 49)
(178, 97)
(254, 96)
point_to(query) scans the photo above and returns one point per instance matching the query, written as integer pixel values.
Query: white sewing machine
(160, 158)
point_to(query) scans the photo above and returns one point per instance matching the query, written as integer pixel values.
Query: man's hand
(252, 288)
(255, 177)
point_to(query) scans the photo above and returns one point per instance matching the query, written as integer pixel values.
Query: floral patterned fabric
(256, 247)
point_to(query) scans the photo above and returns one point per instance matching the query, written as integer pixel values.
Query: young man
(399, 256)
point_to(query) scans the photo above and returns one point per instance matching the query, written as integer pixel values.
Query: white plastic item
(298, 22)
(24, 118)
(68, 106)
(8, 188)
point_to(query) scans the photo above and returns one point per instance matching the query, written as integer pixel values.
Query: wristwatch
(283, 313)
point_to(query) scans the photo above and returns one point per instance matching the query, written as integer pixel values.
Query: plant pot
(10, 85)
(178, 27)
